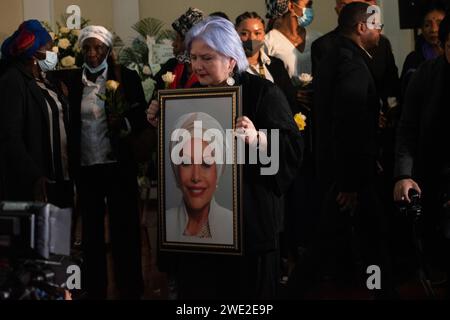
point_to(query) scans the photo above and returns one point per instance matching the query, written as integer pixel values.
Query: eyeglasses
(372, 26)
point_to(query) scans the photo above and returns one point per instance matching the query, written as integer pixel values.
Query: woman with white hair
(218, 59)
(104, 166)
(199, 218)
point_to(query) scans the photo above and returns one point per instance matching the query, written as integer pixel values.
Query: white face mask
(50, 62)
(99, 68)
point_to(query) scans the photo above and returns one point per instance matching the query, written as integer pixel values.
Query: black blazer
(345, 118)
(383, 67)
(134, 94)
(24, 133)
(422, 136)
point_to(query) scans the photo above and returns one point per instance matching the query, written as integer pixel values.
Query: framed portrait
(199, 185)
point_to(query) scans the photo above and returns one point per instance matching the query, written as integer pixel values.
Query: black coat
(422, 136)
(267, 107)
(345, 118)
(134, 95)
(24, 133)
(283, 81)
(383, 67)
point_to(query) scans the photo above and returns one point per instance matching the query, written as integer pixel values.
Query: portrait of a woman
(199, 218)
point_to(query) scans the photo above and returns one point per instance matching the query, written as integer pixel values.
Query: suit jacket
(382, 66)
(422, 136)
(346, 118)
(24, 133)
(131, 89)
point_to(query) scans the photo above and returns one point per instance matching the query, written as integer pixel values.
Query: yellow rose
(64, 43)
(55, 49)
(168, 78)
(300, 120)
(64, 30)
(76, 32)
(112, 85)
(68, 62)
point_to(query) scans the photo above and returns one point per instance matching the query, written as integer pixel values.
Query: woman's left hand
(245, 129)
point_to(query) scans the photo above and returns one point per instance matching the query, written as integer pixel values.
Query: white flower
(64, 30)
(305, 79)
(147, 71)
(168, 78)
(68, 62)
(55, 49)
(76, 32)
(64, 43)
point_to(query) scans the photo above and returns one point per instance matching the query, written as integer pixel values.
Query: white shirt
(295, 62)
(220, 224)
(95, 143)
(255, 69)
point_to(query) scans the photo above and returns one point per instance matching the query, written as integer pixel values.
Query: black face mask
(251, 47)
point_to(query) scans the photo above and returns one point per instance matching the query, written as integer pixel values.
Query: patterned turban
(190, 18)
(26, 41)
(276, 8)
(97, 32)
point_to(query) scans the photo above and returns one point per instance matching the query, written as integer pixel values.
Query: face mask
(99, 68)
(307, 18)
(251, 47)
(50, 62)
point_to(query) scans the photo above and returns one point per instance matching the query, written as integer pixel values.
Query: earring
(230, 81)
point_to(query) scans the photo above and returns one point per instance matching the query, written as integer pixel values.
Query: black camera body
(414, 208)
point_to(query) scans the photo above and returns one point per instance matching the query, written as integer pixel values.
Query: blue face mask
(307, 18)
(50, 62)
(99, 68)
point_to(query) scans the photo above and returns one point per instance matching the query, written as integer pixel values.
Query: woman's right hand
(402, 188)
(152, 113)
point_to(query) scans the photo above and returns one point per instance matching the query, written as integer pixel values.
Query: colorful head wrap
(276, 8)
(97, 32)
(26, 41)
(190, 18)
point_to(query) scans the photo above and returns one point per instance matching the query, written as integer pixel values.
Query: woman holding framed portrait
(218, 60)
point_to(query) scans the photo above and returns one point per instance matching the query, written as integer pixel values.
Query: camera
(414, 208)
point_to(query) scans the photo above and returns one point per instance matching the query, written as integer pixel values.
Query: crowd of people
(327, 214)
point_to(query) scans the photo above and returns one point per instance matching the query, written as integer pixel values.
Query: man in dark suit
(104, 166)
(383, 67)
(346, 121)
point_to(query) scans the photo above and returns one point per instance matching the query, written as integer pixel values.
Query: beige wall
(168, 13)
(99, 12)
(11, 15)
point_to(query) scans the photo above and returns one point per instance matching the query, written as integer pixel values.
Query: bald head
(342, 3)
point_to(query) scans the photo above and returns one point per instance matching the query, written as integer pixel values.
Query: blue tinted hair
(219, 34)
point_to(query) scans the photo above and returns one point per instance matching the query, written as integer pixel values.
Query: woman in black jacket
(34, 117)
(218, 59)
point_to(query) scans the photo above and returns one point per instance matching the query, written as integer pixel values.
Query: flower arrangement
(141, 55)
(66, 44)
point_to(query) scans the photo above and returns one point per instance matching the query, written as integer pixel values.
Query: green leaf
(149, 27)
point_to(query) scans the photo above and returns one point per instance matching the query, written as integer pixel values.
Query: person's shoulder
(325, 40)
(432, 67)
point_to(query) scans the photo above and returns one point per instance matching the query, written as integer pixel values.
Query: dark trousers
(343, 238)
(110, 188)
